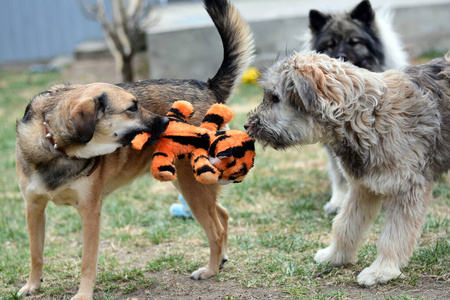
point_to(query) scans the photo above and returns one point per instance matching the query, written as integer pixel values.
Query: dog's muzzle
(251, 125)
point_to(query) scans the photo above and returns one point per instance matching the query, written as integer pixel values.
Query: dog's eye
(134, 107)
(354, 41)
(275, 99)
(329, 45)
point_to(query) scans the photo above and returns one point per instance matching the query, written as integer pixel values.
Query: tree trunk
(127, 68)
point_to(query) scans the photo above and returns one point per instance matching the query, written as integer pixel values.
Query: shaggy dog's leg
(36, 230)
(339, 186)
(357, 214)
(405, 214)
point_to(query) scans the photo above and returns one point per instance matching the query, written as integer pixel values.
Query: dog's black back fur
(434, 78)
(238, 48)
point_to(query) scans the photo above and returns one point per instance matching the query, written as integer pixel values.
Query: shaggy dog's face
(283, 119)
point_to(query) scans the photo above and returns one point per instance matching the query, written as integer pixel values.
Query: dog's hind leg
(35, 209)
(90, 212)
(357, 214)
(404, 216)
(339, 186)
(223, 216)
(201, 199)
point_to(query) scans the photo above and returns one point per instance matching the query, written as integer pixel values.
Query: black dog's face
(350, 36)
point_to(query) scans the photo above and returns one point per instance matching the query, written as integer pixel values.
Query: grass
(277, 224)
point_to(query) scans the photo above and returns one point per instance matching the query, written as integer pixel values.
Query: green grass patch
(276, 225)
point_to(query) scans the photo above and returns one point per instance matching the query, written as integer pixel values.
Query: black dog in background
(366, 39)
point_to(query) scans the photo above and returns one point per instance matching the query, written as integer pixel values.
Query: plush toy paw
(164, 176)
(208, 177)
(139, 141)
(164, 171)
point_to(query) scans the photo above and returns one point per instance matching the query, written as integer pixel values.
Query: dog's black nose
(159, 126)
(246, 126)
(342, 56)
(164, 122)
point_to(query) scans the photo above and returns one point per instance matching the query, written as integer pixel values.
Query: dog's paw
(324, 256)
(81, 297)
(337, 199)
(330, 208)
(223, 261)
(334, 258)
(29, 289)
(377, 274)
(203, 273)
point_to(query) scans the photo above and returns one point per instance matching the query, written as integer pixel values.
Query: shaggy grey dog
(391, 135)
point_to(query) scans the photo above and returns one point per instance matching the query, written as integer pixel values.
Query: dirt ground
(169, 285)
(179, 286)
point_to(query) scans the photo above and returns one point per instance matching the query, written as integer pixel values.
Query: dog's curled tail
(237, 40)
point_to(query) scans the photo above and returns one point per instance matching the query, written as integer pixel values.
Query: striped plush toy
(216, 156)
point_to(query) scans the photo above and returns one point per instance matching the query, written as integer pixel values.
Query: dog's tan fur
(391, 135)
(89, 124)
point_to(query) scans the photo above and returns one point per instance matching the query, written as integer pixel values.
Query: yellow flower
(250, 76)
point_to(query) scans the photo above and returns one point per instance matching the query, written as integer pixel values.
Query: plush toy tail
(217, 116)
(139, 141)
(181, 110)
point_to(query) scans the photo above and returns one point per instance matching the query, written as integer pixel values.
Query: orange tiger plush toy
(224, 156)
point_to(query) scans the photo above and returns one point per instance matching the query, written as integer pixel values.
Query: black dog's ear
(317, 20)
(363, 12)
(83, 118)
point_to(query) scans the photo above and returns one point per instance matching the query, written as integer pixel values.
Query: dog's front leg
(35, 209)
(357, 214)
(404, 214)
(339, 186)
(90, 213)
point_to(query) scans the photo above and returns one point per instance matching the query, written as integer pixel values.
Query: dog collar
(96, 164)
(49, 137)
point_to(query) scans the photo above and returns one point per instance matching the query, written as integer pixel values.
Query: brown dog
(69, 149)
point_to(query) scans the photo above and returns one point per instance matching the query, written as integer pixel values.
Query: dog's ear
(363, 12)
(317, 20)
(301, 93)
(83, 117)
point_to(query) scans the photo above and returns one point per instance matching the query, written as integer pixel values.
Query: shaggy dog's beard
(280, 127)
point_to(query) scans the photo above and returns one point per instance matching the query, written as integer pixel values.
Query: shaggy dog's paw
(81, 297)
(324, 256)
(330, 208)
(374, 275)
(329, 255)
(337, 199)
(203, 273)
